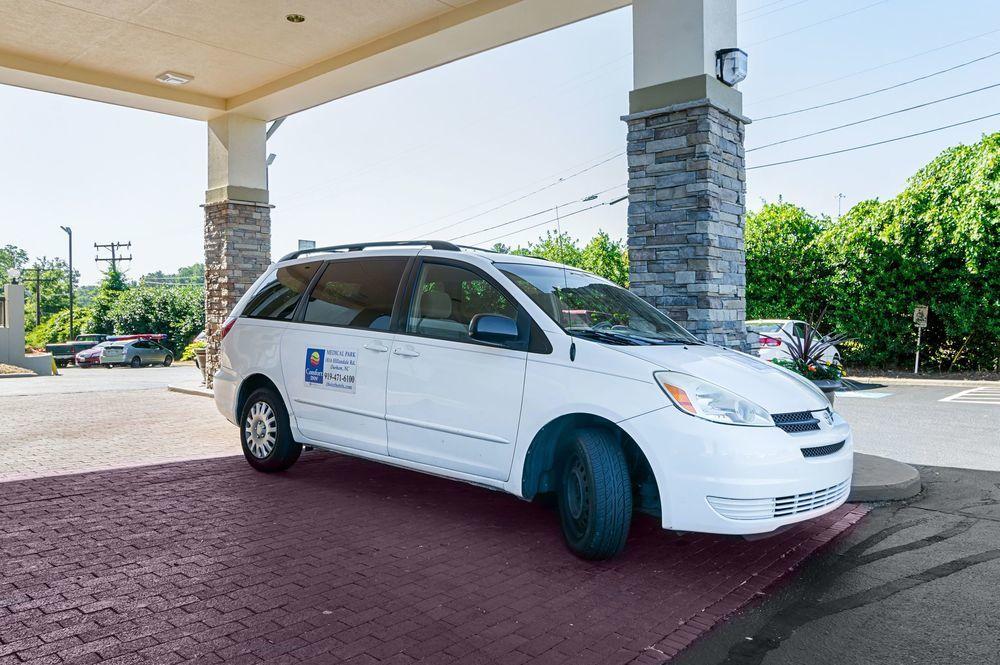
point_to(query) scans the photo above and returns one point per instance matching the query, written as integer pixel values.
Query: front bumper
(727, 479)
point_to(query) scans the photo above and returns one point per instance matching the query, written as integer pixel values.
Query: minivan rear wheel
(264, 432)
(595, 495)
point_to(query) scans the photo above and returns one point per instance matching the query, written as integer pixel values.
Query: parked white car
(529, 377)
(776, 333)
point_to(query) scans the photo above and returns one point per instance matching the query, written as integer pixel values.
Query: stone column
(237, 251)
(685, 217)
(686, 173)
(237, 221)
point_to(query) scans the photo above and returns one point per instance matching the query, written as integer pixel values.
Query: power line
(764, 6)
(874, 117)
(548, 221)
(773, 11)
(875, 92)
(591, 167)
(495, 198)
(869, 145)
(813, 25)
(568, 84)
(534, 214)
(876, 67)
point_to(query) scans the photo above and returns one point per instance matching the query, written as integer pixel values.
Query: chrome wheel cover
(260, 430)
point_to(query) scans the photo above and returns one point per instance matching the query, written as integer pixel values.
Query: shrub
(178, 311)
(55, 328)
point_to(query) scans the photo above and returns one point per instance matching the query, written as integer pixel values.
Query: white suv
(529, 377)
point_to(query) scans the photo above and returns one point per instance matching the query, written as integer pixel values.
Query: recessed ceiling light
(295, 18)
(173, 78)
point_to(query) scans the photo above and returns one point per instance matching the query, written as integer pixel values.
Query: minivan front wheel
(595, 495)
(265, 434)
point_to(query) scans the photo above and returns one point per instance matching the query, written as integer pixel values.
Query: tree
(11, 256)
(108, 292)
(557, 247)
(607, 258)
(178, 311)
(55, 328)
(192, 274)
(936, 243)
(786, 272)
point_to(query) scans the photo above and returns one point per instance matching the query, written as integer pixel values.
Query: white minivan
(525, 376)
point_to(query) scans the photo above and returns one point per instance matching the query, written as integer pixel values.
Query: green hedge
(937, 243)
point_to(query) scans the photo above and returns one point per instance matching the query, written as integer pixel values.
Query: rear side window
(278, 295)
(356, 293)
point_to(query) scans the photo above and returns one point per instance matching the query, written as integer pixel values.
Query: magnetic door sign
(335, 369)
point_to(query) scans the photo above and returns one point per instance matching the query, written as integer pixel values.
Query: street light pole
(69, 232)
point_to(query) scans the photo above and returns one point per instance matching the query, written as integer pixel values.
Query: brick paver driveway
(340, 560)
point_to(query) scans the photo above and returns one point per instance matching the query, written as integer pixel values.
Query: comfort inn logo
(314, 366)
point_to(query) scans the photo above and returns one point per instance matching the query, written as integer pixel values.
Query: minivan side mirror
(493, 328)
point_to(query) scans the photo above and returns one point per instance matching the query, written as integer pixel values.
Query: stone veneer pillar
(237, 251)
(685, 217)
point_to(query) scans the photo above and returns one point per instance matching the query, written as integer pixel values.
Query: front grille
(782, 506)
(803, 503)
(819, 451)
(797, 421)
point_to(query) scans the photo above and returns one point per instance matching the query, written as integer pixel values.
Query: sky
(506, 134)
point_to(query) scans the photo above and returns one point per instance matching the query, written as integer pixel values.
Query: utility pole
(113, 247)
(38, 295)
(69, 232)
(39, 280)
(840, 199)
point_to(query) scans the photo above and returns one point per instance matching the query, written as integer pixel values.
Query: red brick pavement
(345, 561)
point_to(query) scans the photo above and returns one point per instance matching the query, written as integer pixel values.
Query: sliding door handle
(406, 353)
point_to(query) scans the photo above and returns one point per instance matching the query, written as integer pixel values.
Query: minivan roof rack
(358, 246)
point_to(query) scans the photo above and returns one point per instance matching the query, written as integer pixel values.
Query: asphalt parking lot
(913, 424)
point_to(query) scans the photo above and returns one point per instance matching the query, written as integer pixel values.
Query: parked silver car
(136, 353)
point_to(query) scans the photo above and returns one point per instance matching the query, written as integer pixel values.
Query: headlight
(706, 400)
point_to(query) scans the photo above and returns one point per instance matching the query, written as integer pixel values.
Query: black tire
(167, 360)
(595, 495)
(136, 362)
(254, 437)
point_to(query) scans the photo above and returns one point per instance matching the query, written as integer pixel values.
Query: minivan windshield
(588, 306)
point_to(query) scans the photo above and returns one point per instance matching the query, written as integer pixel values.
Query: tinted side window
(356, 293)
(446, 299)
(277, 297)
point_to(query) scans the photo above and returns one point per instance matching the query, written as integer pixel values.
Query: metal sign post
(920, 320)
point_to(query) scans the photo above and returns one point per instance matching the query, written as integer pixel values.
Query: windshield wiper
(625, 338)
(604, 336)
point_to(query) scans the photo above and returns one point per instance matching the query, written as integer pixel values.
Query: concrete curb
(891, 380)
(883, 479)
(198, 391)
(20, 375)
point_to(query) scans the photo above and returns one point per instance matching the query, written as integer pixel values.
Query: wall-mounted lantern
(731, 65)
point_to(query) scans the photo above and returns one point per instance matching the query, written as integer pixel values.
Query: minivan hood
(744, 375)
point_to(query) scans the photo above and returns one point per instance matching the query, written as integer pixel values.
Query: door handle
(380, 348)
(406, 353)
